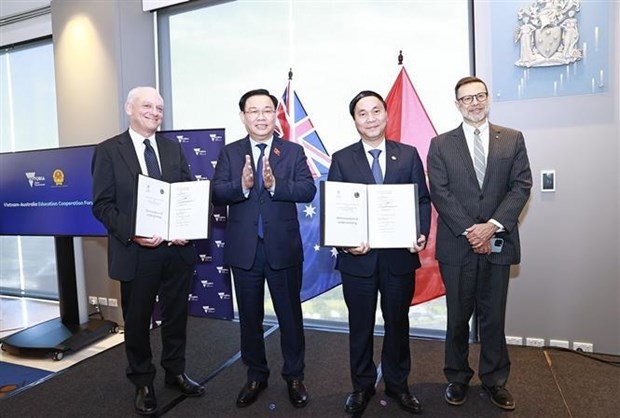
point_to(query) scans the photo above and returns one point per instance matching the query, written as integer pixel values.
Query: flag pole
(400, 57)
(291, 108)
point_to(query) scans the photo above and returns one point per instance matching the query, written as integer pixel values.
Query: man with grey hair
(145, 266)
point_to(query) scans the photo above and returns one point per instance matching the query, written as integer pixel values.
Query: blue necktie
(259, 177)
(376, 168)
(150, 158)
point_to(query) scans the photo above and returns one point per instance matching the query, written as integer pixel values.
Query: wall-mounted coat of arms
(548, 33)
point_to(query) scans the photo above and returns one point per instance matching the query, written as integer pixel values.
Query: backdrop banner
(210, 294)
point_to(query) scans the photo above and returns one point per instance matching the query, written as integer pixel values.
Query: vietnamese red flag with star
(409, 123)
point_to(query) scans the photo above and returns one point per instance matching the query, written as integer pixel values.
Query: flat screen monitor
(48, 193)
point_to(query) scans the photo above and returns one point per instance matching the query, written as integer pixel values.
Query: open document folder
(172, 210)
(382, 215)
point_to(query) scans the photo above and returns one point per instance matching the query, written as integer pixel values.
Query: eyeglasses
(480, 97)
(253, 113)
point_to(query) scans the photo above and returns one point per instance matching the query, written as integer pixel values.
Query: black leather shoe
(249, 393)
(297, 393)
(456, 393)
(186, 385)
(145, 402)
(358, 400)
(406, 401)
(500, 397)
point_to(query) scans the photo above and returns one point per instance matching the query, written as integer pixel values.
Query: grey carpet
(555, 384)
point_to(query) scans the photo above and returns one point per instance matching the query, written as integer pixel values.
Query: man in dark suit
(145, 266)
(480, 180)
(365, 272)
(261, 178)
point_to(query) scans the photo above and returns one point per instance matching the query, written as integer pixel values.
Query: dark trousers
(160, 271)
(284, 287)
(360, 295)
(483, 286)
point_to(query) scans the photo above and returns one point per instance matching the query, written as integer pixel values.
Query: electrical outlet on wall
(585, 347)
(514, 340)
(558, 343)
(535, 342)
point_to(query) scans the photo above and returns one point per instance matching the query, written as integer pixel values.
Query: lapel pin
(276, 151)
(394, 157)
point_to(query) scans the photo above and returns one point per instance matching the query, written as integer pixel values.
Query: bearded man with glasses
(480, 181)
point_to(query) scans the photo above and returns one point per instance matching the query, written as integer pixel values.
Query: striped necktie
(479, 160)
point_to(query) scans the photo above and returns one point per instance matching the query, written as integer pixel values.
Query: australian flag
(319, 275)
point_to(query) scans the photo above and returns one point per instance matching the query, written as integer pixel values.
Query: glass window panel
(335, 50)
(29, 121)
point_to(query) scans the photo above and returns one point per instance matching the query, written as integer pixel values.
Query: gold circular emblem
(58, 176)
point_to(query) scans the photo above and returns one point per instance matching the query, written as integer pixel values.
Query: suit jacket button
(480, 197)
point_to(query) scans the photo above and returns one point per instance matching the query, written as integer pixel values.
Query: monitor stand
(67, 333)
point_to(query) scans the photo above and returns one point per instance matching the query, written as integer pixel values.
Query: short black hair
(467, 80)
(257, 92)
(359, 96)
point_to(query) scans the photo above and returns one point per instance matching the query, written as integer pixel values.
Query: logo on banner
(182, 139)
(219, 243)
(219, 218)
(192, 298)
(205, 258)
(223, 295)
(215, 137)
(222, 270)
(200, 177)
(34, 180)
(208, 309)
(200, 152)
(206, 283)
(58, 176)
(214, 163)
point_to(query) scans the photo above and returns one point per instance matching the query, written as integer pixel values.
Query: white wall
(32, 28)
(101, 50)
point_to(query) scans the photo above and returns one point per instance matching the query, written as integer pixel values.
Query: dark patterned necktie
(376, 168)
(152, 167)
(259, 177)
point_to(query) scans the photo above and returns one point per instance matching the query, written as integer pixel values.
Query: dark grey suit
(474, 280)
(143, 272)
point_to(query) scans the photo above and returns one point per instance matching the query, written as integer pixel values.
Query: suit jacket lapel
(392, 155)
(460, 143)
(128, 153)
(275, 155)
(494, 148)
(360, 160)
(165, 164)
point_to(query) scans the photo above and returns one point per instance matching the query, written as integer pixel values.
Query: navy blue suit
(143, 272)
(388, 271)
(277, 257)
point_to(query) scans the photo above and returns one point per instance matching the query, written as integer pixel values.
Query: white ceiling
(11, 7)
